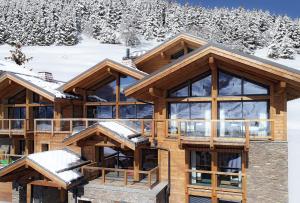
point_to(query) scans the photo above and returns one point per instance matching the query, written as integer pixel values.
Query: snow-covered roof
(120, 130)
(58, 160)
(49, 87)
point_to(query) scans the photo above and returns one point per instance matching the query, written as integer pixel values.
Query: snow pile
(55, 161)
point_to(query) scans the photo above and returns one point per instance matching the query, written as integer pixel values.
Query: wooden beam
(45, 183)
(156, 92)
(137, 164)
(78, 90)
(280, 87)
(112, 72)
(28, 193)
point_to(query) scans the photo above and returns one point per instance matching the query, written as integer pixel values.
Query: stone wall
(267, 172)
(18, 193)
(98, 193)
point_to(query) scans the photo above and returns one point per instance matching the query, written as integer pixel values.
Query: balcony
(13, 127)
(121, 177)
(194, 132)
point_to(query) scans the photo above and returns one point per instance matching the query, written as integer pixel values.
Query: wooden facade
(174, 148)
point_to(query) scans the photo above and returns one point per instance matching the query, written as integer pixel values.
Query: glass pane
(144, 111)
(128, 111)
(255, 110)
(179, 111)
(200, 110)
(230, 110)
(125, 82)
(229, 162)
(182, 92)
(106, 112)
(202, 88)
(198, 199)
(200, 161)
(106, 93)
(229, 85)
(228, 201)
(254, 89)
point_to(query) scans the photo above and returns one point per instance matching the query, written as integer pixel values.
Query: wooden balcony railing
(216, 180)
(186, 131)
(6, 159)
(13, 126)
(120, 177)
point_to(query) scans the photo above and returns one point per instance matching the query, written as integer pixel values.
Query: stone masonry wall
(18, 193)
(267, 172)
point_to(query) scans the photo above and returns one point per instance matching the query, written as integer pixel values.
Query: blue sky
(282, 7)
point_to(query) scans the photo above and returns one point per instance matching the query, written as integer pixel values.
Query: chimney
(127, 56)
(47, 76)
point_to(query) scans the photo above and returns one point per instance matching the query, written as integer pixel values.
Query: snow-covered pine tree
(67, 33)
(18, 56)
(2, 30)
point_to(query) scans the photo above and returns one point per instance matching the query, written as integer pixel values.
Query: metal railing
(13, 126)
(121, 176)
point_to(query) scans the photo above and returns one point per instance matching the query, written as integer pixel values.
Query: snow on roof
(11, 67)
(55, 161)
(118, 128)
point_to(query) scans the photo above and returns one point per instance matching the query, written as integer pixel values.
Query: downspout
(169, 168)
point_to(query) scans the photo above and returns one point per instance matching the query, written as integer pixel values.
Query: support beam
(113, 72)
(136, 164)
(79, 91)
(280, 87)
(214, 95)
(155, 92)
(28, 193)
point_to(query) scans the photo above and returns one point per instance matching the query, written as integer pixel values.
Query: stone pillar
(18, 193)
(267, 172)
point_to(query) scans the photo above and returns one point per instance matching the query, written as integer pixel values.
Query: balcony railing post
(247, 134)
(9, 127)
(52, 127)
(71, 125)
(142, 127)
(125, 177)
(103, 175)
(149, 178)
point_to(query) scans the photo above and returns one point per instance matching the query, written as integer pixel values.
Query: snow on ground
(66, 62)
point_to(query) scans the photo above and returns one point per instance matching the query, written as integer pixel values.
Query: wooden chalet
(189, 121)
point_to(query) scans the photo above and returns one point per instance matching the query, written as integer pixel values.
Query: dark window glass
(106, 93)
(202, 87)
(228, 201)
(177, 54)
(254, 89)
(35, 98)
(128, 111)
(182, 92)
(229, 84)
(230, 110)
(43, 112)
(229, 162)
(16, 112)
(125, 81)
(197, 199)
(19, 98)
(200, 110)
(200, 160)
(101, 112)
(144, 111)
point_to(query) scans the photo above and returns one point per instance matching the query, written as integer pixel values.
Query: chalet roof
(270, 68)
(162, 47)
(60, 166)
(36, 84)
(117, 131)
(103, 67)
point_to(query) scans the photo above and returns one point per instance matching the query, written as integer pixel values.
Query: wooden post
(125, 177)
(272, 112)
(103, 175)
(214, 95)
(244, 177)
(136, 164)
(187, 167)
(28, 193)
(247, 134)
(117, 96)
(214, 179)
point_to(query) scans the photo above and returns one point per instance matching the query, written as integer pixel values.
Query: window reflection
(254, 89)
(101, 112)
(136, 111)
(229, 85)
(200, 161)
(125, 81)
(106, 93)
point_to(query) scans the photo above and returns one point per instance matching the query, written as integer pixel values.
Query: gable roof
(273, 69)
(164, 46)
(52, 164)
(117, 131)
(103, 66)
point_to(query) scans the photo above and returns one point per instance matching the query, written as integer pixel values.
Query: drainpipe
(169, 169)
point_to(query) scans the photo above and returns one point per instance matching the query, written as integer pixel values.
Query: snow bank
(57, 160)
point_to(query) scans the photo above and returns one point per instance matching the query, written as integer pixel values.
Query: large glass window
(106, 93)
(101, 112)
(136, 111)
(19, 98)
(200, 160)
(194, 111)
(43, 112)
(198, 199)
(231, 85)
(125, 81)
(199, 87)
(231, 163)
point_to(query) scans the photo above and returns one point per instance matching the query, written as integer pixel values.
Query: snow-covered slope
(65, 62)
